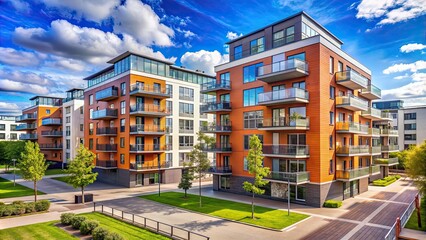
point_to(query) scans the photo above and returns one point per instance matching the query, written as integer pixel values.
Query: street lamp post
(159, 175)
(14, 176)
(288, 197)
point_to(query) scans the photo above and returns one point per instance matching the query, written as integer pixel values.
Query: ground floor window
(224, 182)
(153, 178)
(298, 192)
(139, 179)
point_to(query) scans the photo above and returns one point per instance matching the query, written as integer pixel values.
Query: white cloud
(391, 11)
(140, 21)
(401, 67)
(93, 10)
(14, 57)
(232, 35)
(9, 107)
(295, 4)
(67, 64)
(24, 77)
(186, 33)
(412, 47)
(21, 6)
(203, 60)
(12, 86)
(402, 77)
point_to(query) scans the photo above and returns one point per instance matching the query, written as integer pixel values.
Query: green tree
(416, 166)
(402, 157)
(80, 170)
(186, 180)
(255, 167)
(198, 159)
(32, 164)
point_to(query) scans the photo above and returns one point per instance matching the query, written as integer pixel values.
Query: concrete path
(412, 234)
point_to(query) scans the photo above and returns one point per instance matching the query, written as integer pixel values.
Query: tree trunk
(252, 206)
(35, 191)
(185, 193)
(82, 195)
(199, 185)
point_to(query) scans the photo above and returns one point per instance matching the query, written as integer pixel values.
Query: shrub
(386, 181)
(332, 204)
(30, 207)
(42, 205)
(7, 211)
(1, 210)
(2, 203)
(99, 233)
(87, 226)
(66, 218)
(113, 236)
(18, 209)
(76, 221)
(18, 203)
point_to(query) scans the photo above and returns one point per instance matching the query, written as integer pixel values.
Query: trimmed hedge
(66, 218)
(88, 226)
(101, 233)
(76, 221)
(332, 204)
(386, 181)
(20, 207)
(113, 236)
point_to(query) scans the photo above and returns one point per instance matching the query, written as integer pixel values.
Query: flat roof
(99, 72)
(128, 53)
(73, 89)
(45, 97)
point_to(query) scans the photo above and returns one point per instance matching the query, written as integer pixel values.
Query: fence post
(189, 235)
(419, 218)
(102, 208)
(133, 218)
(144, 222)
(171, 232)
(158, 226)
(398, 227)
(112, 212)
(94, 206)
(122, 214)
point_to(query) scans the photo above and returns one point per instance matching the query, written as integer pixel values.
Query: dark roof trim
(44, 97)
(192, 71)
(100, 72)
(128, 53)
(73, 89)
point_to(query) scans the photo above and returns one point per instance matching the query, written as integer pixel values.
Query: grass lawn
(265, 217)
(412, 222)
(39, 231)
(7, 190)
(54, 171)
(62, 179)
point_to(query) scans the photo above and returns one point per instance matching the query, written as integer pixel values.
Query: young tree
(32, 164)
(198, 159)
(416, 166)
(186, 180)
(80, 170)
(254, 164)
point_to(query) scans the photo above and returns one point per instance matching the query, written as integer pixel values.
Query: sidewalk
(412, 234)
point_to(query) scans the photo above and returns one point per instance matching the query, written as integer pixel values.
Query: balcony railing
(51, 133)
(372, 113)
(147, 129)
(26, 117)
(107, 94)
(351, 127)
(388, 132)
(374, 131)
(375, 169)
(107, 113)
(289, 95)
(51, 122)
(350, 150)
(390, 148)
(220, 170)
(352, 103)
(106, 163)
(386, 161)
(353, 173)
(371, 92)
(138, 166)
(51, 146)
(186, 130)
(149, 90)
(28, 136)
(149, 147)
(111, 131)
(215, 86)
(283, 70)
(284, 123)
(26, 126)
(375, 150)
(294, 177)
(149, 109)
(216, 107)
(106, 147)
(225, 147)
(351, 79)
(386, 115)
(286, 150)
(216, 128)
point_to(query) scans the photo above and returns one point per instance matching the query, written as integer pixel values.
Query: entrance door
(278, 117)
(275, 142)
(354, 188)
(139, 179)
(346, 190)
(226, 161)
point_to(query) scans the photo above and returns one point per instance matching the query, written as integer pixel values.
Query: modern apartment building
(141, 119)
(391, 106)
(72, 123)
(291, 84)
(42, 122)
(8, 130)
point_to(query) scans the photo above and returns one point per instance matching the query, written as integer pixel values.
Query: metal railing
(388, 132)
(374, 131)
(148, 223)
(107, 112)
(372, 89)
(110, 92)
(153, 89)
(386, 115)
(283, 94)
(374, 169)
(106, 131)
(386, 160)
(351, 100)
(26, 126)
(140, 107)
(50, 146)
(213, 85)
(149, 147)
(350, 149)
(225, 147)
(390, 148)
(352, 76)
(52, 133)
(220, 169)
(284, 122)
(106, 147)
(351, 127)
(146, 128)
(352, 173)
(375, 149)
(400, 222)
(148, 166)
(282, 66)
(216, 106)
(28, 136)
(286, 149)
(216, 128)
(374, 112)
(294, 177)
(106, 163)
(51, 121)
(26, 116)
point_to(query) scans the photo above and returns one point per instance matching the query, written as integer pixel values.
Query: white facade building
(8, 131)
(411, 126)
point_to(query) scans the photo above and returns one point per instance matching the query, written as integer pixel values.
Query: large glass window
(307, 31)
(123, 107)
(186, 109)
(186, 141)
(300, 56)
(247, 140)
(253, 119)
(238, 52)
(186, 93)
(251, 72)
(289, 34)
(225, 98)
(300, 111)
(257, 46)
(411, 126)
(409, 116)
(250, 96)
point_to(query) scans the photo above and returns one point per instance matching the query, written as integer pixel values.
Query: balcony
(390, 148)
(286, 150)
(216, 129)
(351, 79)
(386, 161)
(216, 107)
(150, 110)
(353, 174)
(350, 150)
(374, 169)
(376, 150)
(51, 122)
(26, 126)
(146, 90)
(372, 113)
(107, 94)
(105, 114)
(106, 131)
(186, 146)
(351, 127)
(106, 164)
(293, 177)
(289, 123)
(26, 117)
(148, 166)
(387, 116)
(371, 92)
(51, 146)
(352, 103)
(284, 70)
(149, 148)
(28, 136)
(106, 147)
(51, 133)
(289, 95)
(214, 86)
(218, 148)
(220, 170)
(146, 129)
(374, 132)
(186, 130)
(388, 133)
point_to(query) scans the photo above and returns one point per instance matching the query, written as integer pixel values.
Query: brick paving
(369, 233)
(360, 210)
(384, 195)
(407, 196)
(389, 214)
(334, 230)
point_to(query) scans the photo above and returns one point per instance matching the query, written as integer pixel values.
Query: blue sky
(49, 46)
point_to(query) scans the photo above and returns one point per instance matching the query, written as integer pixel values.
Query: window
(122, 142)
(247, 141)
(47, 111)
(410, 137)
(91, 113)
(331, 118)
(90, 99)
(225, 78)
(339, 66)
(13, 127)
(225, 98)
(68, 131)
(331, 142)
(169, 106)
(250, 96)
(68, 110)
(245, 164)
(13, 136)
(186, 141)
(123, 88)
(67, 119)
(186, 126)
(253, 119)
(91, 144)
(301, 111)
(331, 65)
(238, 52)
(251, 72)
(123, 107)
(331, 167)
(359, 162)
(300, 56)
(169, 89)
(81, 110)
(90, 128)
(308, 31)
(81, 127)
(186, 94)
(169, 125)
(289, 34)
(67, 144)
(257, 46)
(283, 37)
(186, 109)
(409, 116)
(411, 126)
(300, 85)
(121, 158)
(2, 136)
(122, 125)
(332, 92)
(3, 127)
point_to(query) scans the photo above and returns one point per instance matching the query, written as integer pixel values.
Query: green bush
(88, 226)
(66, 218)
(18, 209)
(2, 203)
(332, 204)
(76, 221)
(18, 203)
(113, 236)
(7, 211)
(42, 205)
(99, 233)
(30, 207)
(386, 181)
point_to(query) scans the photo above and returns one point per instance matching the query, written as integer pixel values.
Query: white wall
(420, 126)
(7, 131)
(76, 118)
